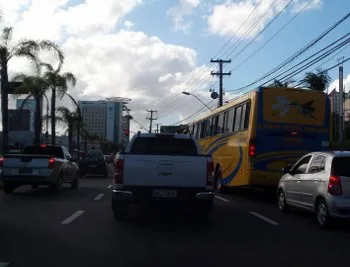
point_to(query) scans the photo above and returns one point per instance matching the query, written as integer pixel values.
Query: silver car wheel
(322, 213)
(281, 201)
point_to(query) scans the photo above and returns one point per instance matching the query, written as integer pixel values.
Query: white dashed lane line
(74, 216)
(99, 196)
(110, 186)
(221, 198)
(263, 218)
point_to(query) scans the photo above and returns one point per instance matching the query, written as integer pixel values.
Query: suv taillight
(119, 171)
(210, 173)
(52, 163)
(252, 148)
(334, 185)
(2, 162)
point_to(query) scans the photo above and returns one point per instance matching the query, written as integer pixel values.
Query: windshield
(164, 145)
(48, 150)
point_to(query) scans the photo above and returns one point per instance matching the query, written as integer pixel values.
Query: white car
(319, 182)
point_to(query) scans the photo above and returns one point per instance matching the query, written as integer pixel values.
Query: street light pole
(47, 119)
(187, 93)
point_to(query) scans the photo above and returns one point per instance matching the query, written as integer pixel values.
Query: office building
(28, 104)
(19, 120)
(103, 118)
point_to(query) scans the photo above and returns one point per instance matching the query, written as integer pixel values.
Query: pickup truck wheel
(57, 187)
(75, 183)
(217, 180)
(8, 188)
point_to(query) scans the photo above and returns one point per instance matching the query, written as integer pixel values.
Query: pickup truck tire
(57, 186)
(75, 183)
(217, 180)
(8, 188)
(204, 209)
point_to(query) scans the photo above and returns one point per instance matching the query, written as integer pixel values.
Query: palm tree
(36, 87)
(278, 83)
(27, 49)
(317, 81)
(70, 118)
(57, 82)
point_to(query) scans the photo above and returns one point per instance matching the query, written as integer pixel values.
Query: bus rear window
(163, 145)
(341, 166)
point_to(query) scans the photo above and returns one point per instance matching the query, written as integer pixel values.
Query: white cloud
(106, 61)
(227, 18)
(335, 84)
(178, 12)
(128, 24)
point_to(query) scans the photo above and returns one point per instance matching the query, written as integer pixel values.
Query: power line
(296, 55)
(271, 38)
(141, 126)
(151, 119)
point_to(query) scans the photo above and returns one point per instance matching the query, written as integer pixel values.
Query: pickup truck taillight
(52, 162)
(210, 173)
(2, 162)
(119, 171)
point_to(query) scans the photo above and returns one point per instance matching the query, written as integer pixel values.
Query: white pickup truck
(163, 167)
(39, 165)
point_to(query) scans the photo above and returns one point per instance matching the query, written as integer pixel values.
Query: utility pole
(221, 74)
(151, 119)
(157, 128)
(341, 105)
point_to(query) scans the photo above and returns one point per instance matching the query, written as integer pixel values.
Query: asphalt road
(37, 229)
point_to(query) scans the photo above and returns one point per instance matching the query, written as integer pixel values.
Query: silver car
(318, 182)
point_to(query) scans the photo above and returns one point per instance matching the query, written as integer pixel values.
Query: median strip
(73, 217)
(99, 196)
(263, 218)
(221, 198)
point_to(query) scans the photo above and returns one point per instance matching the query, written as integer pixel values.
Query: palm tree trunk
(4, 104)
(37, 120)
(70, 138)
(53, 117)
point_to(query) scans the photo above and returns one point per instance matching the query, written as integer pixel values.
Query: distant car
(93, 164)
(319, 182)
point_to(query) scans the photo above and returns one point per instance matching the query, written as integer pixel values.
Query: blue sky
(152, 50)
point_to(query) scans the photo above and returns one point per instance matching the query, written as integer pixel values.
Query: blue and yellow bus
(257, 134)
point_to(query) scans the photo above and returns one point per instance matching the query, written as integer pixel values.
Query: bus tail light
(252, 148)
(210, 173)
(334, 185)
(119, 171)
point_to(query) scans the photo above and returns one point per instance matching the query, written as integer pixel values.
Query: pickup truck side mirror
(71, 159)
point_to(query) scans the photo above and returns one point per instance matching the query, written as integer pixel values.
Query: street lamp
(188, 93)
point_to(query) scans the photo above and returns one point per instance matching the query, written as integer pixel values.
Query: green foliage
(317, 81)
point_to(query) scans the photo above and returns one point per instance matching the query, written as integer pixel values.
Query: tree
(278, 83)
(36, 88)
(57, 82)
(317, 81)
(71, 119)
(26, 49)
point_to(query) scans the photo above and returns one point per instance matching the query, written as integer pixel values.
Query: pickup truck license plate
(164, 193)
(25, 170)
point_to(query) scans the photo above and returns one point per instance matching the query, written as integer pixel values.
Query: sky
(152, 50)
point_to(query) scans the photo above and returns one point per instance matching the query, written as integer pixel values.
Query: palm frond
(70, 78)
(6, 36)
(47, 66)
(49, 45)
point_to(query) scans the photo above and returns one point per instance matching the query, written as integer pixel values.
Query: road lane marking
(110, 186)
(73, 217)
(222, 198)
(4, 264)
(263, 218)
(99, 196)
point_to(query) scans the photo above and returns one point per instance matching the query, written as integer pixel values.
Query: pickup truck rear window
(163, 145)
(341, 166)
(49, 150)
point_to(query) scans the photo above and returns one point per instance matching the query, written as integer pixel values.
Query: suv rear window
(164, 145)
(341, 166)
(48, 150)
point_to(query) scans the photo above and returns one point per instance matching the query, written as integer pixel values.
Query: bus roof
(246, 96)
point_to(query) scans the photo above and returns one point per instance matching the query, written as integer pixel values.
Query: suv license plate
(164, 193)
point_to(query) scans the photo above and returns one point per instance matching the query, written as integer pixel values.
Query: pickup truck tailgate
(166, 171)
(25, 165)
